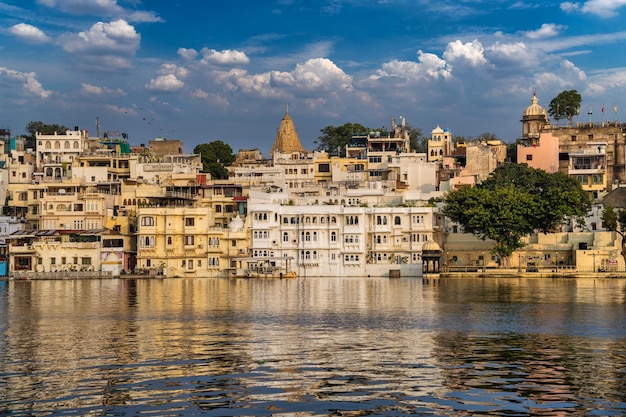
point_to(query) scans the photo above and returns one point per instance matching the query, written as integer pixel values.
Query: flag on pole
(615, 108)
(603, 109)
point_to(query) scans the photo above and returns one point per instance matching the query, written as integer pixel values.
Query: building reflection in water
(313, 346)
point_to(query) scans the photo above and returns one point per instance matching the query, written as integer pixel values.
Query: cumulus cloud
(504, 55)
(187, 54)
(602, 8)
(107, 44)
(29, 33)
(28, 80)
(165, 83)
(226, 57)
(179, 72)
(471, 52)
(101, 91)
(429, 66)
(314, 74)
(546, 30)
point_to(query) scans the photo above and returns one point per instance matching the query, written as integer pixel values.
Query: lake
(313, 347)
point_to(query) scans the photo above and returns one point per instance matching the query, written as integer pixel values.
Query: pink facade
(541, 153)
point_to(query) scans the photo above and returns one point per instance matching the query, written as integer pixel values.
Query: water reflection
(311, 347)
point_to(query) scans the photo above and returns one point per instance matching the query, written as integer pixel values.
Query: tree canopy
(565, 106)
(615, 220)
(514, 201)
(40, 127)
(334, 138)
(215, 157)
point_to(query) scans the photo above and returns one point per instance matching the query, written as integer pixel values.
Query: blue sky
(203, 71)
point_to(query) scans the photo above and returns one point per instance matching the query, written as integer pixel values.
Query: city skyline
(163, 69)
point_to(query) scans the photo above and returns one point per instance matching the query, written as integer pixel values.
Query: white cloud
(314, 75)
(29, 33)
(179, 72)
(209, 97)
(165, 83)
(225, 57)
(143, 17)
(602, 8)
(187, 54)
(28, 80)
(96, 7)
(504, 55)
(471, 52)
(545, 31)
(428, 66)
(104, 44)
(121, 110)
(101, 91)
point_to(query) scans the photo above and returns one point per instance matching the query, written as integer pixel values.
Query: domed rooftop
(235, 224)
(437, 130)
(431, 245)
(535, 109)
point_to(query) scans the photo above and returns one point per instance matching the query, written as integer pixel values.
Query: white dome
(235, 224)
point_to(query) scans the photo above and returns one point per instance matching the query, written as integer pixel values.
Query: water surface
(313, 347)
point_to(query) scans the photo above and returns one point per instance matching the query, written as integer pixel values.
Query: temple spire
(287, 140)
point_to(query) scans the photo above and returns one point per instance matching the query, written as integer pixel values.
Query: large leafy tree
(615, 220)
(40, 127)
(215, 157)
(565, 106)
(419, 142)
(335, 138)
(514, 201)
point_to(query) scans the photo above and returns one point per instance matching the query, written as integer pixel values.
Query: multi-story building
(593, 153)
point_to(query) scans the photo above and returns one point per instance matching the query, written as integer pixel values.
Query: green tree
(615, 220)
(514, 201)
(335, 138)
(565, 106)
(40, 127)
(419, 142)
(215, 157)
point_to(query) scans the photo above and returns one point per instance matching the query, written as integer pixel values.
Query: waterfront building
(45, 251)
(593, 153)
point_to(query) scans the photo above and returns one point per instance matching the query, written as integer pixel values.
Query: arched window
(66, 145)
(396, 221)
(57, 144)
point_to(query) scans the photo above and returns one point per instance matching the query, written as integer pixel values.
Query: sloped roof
(287, 140)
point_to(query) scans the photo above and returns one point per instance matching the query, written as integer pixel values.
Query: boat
(265, 267)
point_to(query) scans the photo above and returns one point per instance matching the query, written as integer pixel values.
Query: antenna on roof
(287, 105)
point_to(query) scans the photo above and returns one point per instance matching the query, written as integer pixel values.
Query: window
(397, 221)
(148, 263)
(53, 261)
(324, 168)
(169, 240)
(529, 157)
(85, 260)
(147, 221)
(189, 221)
(189, 240)
(190, 264)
